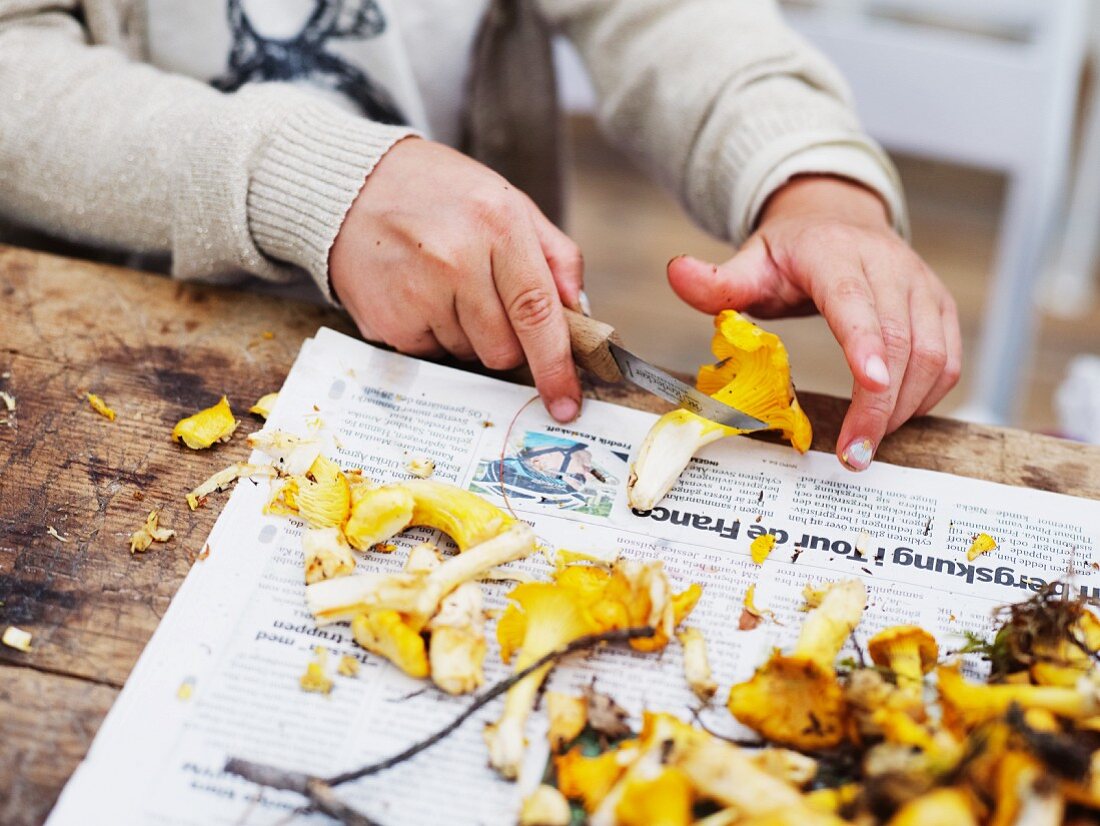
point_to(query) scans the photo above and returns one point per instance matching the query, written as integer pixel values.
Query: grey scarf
(512, 123)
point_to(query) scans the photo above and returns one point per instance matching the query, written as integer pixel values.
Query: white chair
(1070, 289)
(985, 83)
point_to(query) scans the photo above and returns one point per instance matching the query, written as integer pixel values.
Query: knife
(598, 349)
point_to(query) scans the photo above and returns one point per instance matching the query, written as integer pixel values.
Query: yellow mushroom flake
(9, 401)
(421, 467)
(812, 596)
(150, 532)
(315, 679)
(223, 479)
(186, 690)
(348, 667)
(52, 531)
(696, 664)
(751, 616)
(761, 547)
(983, 543)
(264, 404)
(568, 715)
(17, 638)
(100, 406)
(205, 428)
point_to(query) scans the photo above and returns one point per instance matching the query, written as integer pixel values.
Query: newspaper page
(220, 676)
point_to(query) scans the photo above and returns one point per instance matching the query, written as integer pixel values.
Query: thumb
(739, 284)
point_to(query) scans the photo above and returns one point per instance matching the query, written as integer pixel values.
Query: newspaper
(220, 676)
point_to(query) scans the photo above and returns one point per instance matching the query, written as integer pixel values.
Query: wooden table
(157, 350)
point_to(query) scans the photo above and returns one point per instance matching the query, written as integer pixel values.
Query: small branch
(319, 791)
(579, 644)
(744, 743)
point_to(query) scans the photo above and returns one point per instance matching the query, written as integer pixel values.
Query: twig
(320, 791)
(697, 715)
(579, 644)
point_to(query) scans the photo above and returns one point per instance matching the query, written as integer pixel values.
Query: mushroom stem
(971, 704)
(417, 595)
(830, 624)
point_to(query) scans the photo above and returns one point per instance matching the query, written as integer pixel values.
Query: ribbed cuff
(306, 180)
(855, 160)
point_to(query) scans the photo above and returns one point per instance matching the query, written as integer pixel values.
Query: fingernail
(876, 371)
(564, 410)
(859, 454)
(585, 304)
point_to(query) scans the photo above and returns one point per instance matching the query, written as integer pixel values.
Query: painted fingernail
(564, 410)
(876, 371)
(858, 454)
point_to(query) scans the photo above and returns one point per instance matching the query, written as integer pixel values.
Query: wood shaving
(52, 531)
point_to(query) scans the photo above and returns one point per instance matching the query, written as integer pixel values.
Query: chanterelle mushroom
(716, 770)
(795, 699)
(940, 807)
(542, 616)
(380, 513)
(415, 594)
(752, 374)
(966, 704)
(910, 652)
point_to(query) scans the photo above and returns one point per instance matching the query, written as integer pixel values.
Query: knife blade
(597, 348)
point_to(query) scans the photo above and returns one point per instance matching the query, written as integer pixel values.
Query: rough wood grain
(157, 350)
(48, 723)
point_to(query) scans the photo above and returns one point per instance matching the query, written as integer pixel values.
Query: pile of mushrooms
(893, 735)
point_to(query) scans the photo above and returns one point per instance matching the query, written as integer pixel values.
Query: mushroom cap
(589, 779)
(662, 800)
(793, 700)
(882, 643)
(753, 373)
(386, 634)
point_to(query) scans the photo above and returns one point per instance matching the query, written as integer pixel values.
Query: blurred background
(988, 108)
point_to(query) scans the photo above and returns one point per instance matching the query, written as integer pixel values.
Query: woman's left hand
(826, 245)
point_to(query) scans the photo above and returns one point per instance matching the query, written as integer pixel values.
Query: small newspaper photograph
(251, 664)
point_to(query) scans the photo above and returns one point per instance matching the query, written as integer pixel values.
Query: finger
(927, 356)
(530, 298)
(450, 335)
(564, 258)
(447, 329)
(745, 282)
(485, 323)
(952, 370)
(869, 414)
(420, 342)
(848, 304)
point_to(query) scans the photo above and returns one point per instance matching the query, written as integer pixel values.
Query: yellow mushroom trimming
(207, 427)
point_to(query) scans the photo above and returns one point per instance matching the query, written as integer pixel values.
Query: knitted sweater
(109, 136)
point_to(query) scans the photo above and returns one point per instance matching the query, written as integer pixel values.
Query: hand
(825, 245)
(439, 254)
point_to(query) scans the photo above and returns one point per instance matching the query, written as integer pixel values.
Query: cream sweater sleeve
(97, 148)
(722, 102)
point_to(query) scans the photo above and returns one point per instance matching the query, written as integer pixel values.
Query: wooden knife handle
(589, 339)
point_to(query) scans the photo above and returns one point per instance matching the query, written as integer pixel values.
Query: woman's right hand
(439, 254)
